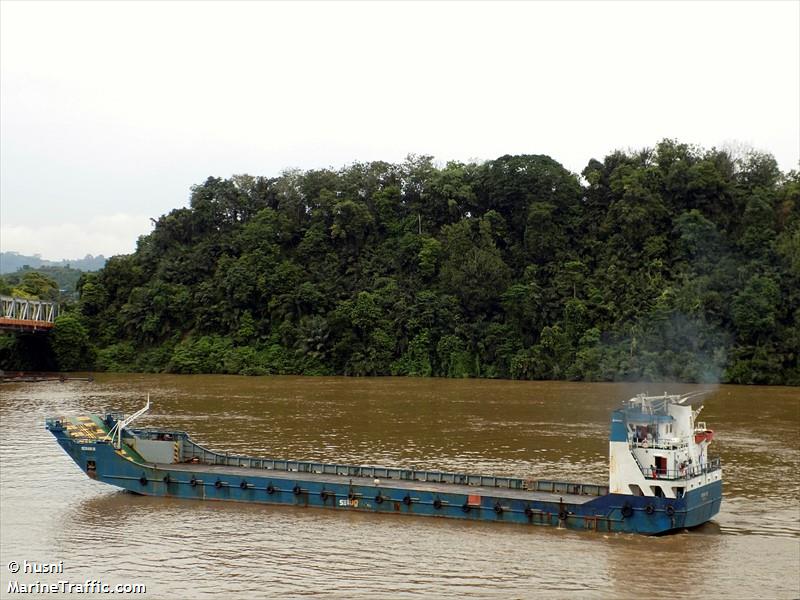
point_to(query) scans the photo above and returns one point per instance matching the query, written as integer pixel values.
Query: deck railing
(687, 473)
(665, 444)
(193, 452)
(563, 487)
(209, 457)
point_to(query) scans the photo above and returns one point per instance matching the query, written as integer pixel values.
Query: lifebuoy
(378, 499)
(670, 510)
(270, 489)
(498, 508)
(243, 485)
(407, 500)
(296, 490)
(218, 484)
(627, 511)
(649, 509)
(143, 480)
(437, 504)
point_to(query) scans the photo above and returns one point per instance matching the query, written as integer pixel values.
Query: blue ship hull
(554, 504)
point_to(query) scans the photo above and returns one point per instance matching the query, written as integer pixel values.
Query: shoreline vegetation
(674, 263)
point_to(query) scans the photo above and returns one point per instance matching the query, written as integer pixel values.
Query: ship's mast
(122, 424)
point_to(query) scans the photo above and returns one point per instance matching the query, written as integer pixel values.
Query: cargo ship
(661, 478)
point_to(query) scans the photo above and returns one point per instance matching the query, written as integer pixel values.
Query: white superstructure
(658, 448)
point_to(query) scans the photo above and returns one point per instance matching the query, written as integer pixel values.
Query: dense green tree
(672, 262)
(71, 345)
(34, 284)
(755, 308)
(472, 267)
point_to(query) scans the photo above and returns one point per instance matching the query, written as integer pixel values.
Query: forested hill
(676, 263)
(13, 261)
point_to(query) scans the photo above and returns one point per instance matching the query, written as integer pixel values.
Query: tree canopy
(675, 262)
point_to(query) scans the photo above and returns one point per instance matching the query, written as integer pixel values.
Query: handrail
(192, 451)
(677, 474)
(564, 487)
(672, 444)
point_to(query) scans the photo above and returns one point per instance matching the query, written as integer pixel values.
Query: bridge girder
(23, 314)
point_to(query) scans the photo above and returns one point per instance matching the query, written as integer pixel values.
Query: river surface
(50, 511)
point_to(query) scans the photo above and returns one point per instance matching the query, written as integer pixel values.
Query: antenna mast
(120, 425)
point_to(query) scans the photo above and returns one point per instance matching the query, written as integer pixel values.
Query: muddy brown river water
(51, 512)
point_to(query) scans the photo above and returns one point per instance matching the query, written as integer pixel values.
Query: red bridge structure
(24, 315)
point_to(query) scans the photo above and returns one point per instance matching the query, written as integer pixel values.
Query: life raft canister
(703, 436)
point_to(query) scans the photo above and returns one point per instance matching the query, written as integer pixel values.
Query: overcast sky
(109, 112)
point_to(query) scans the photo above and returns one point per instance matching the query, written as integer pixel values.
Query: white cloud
(105, 234)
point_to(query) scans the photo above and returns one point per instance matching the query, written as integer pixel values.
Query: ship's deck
(92, 428)
(399, 484)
